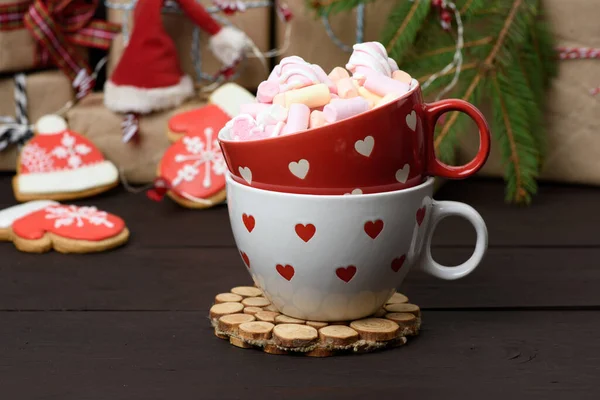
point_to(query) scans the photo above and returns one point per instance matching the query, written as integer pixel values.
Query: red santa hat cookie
(193, 168)
(59, 164)
(224, 104)
(148, 77)
(42, 225)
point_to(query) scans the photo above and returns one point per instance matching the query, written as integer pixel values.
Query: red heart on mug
(420, 215)
(305, 232)
(249, 222)
(287, 271)
(374, 228)
(346, 274)
(398, 262)
(245, 258)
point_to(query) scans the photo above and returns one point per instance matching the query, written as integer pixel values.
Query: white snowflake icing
(69, 215)
(197, 153)
(36, 159)
(70, 150)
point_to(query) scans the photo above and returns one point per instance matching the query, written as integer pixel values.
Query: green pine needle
(403, 24)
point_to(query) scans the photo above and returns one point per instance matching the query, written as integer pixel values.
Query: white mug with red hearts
(339, 258)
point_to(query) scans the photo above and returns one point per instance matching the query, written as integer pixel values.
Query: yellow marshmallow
(338, 73)
(368, 95)
(346, 88)
(317, 119)
(388, 98)
(312, 96)
(279, 99)
(401, 76)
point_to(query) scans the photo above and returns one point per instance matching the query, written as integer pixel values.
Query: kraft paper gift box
(47, 92)
(137, 162)
(255, 22)
(571, 117)
(311, 42)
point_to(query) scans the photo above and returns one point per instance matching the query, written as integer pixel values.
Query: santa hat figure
(148, 77)
(59, 164)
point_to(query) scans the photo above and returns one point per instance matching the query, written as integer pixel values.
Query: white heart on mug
(402, 174)
(411, 120)
(355, 191)
(246, 174)
(300, 168)
(365, 147)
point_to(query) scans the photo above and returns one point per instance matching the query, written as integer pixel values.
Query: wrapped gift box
(571, 117)
(47, 92)
(255, 22)
(311, 42)
(137, 162)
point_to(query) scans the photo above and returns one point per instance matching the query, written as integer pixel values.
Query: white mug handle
(439, 211)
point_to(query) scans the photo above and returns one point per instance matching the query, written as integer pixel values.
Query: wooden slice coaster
(255, 302)
(294, 335)
(227, 298)
(237, 342)
(252, 310)
(248, 320)
(284, 319)
(257, 330)
(316, 324)
(218, 310)
(229, 323)
(403, 308)
(397, 298)
(375, 329)
(247, 291)
(267, 316)
(338, 335)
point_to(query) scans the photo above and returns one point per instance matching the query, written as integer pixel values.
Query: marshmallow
(345, 108)
(346, 88)
(323, 78)
(294, 73)
(338, 73)
(368, 95)
(272, 114)
(402, 76)
(388, 98)
(371, 56)
(279, 99)
(298, 117)
(382, 85)
(317, 119)
(240, 127)
(311, 96)
(267, 90)
(253, 109)
(275, 130)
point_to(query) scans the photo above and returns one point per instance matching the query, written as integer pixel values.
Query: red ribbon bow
(59, 26)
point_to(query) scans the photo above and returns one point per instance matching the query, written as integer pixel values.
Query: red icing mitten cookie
(59, 164)
(39, 226)
(224, 104)
(194, 170)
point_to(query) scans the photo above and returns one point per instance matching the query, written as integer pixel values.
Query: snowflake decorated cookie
(194, 170)
(59, 164)
(42, 225)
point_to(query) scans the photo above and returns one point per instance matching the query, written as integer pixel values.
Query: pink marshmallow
(402, 76)
(338, 73)
(275, 130)
(298, 117)
(253, 109)
(345, 108)
(267, 90)
(324, 78)
(382, 85)
(346, 88)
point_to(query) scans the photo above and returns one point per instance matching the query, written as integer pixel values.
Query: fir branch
(465, 67)
(403, 24)
(332, 7)
(452, 49)
(472, 6)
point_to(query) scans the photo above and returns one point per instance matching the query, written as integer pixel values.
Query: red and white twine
(580, 53)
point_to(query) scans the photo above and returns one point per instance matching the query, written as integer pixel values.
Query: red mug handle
(435, 167)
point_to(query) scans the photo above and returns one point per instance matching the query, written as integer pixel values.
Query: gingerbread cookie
(59, 164)
(224, 104)
(39, 226)
(194, 169)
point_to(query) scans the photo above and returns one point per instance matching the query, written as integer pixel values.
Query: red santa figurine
(148, 77)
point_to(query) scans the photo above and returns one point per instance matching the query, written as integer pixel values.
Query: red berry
(446, 16)
(436, 3)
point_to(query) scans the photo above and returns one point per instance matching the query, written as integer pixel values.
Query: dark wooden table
(132, 323)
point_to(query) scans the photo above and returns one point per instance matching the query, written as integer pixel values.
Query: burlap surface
(310, 40)
(573, 115)
(136, 161)
(255, 22)
(47, 92)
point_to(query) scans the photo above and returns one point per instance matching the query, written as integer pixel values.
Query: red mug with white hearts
(385, 149)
